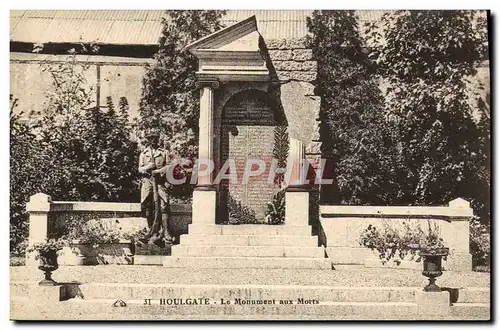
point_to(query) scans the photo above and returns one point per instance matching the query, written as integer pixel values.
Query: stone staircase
(231, 268)
(248, 246)
(348, 293)
(338, 304)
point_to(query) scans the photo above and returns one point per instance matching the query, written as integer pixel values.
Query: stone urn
(432, 259)
(48, 264)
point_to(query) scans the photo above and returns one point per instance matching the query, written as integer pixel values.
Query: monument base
(150, 254)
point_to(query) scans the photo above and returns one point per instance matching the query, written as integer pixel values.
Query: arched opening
(249, 119)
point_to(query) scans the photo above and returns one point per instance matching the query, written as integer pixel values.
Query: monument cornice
(225, 35)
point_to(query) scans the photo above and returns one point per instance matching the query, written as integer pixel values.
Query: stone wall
(47, 216)
(296, 70)
(342, 225)
(107, 75)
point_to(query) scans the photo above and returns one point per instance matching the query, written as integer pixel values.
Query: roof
(142, 27)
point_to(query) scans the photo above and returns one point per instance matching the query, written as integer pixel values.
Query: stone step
(247, 251)
(252, 291)
(473, 310)
(343, 275)
(268, 230)
(248, 292)
(148, 260)
(128, 291)
(250, 240)
(470, 295)
(247, 262)
(100, 309)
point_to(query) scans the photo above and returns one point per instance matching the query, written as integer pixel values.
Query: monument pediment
(231, 54)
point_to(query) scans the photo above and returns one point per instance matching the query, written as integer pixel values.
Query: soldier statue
(153, 164)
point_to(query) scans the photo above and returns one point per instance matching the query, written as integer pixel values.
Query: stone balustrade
(46, 216)
(342, 225)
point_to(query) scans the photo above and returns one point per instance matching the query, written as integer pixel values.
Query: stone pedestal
(433, 303)
(49, 293)
(38, 208)
(296, 208)
(204, 206)
(296, 196)
(456, 235)
(150, 254)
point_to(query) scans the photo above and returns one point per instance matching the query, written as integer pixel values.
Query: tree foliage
(93, 155)
(71, 150)
(426, 58)
(26, 162)
(355, 140)
(427, 140)
(170, 101)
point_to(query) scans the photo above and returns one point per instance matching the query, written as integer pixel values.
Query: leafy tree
(26, 162)
(124, 107)
(442, 131)
(170, 101)
(91, 148)
(71, 150)
(426, 57)
(111, 155)
(356, 143)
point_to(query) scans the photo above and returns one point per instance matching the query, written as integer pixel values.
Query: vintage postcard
(250, 165)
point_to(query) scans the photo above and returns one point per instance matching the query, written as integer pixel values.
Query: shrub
(70, 150)
(479, 243)
(275, 213)
(49, 244)
(240, 214)
(170, 100)
(17, 261)
(94, 232)
(396, 243)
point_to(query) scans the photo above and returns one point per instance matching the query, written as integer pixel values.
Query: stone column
(38, 208)
(205, 194)
(457, 236)
(297, 195)
(294, 161)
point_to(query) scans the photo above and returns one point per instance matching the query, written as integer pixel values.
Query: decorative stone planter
(432, 267)
(48, 264)
(104, 254)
